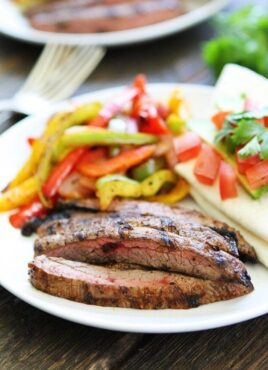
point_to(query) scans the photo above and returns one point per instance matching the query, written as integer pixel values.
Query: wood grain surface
(32, 339)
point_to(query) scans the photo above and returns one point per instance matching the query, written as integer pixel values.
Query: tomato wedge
(244, 164)
(120, 163)
(25, 213)
(219, 118)
(258, 175)
(227, 181)
(61, 171)
(187, 146)
(207, 165)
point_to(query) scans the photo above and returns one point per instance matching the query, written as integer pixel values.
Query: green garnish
(243, 129)
(242, 39)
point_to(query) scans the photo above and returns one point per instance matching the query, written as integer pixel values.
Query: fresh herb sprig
(242, 130)
(242, 39)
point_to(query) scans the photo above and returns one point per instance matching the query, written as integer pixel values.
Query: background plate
(16, 251)
(13, 24)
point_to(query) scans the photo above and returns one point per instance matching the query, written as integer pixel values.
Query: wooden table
(31, 339)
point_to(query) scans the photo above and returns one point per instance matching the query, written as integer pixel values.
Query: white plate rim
(126, 37)
(107, 318)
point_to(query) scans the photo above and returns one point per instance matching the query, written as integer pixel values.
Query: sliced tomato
(258, 175)
(227, 181)
(265, 121)
(207, 165)
(219, 118)
(244, 164)
(187, 146)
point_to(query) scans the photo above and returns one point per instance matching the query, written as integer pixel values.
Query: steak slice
(104, 241)
(127, 288)
(246, 251)
(195, 231)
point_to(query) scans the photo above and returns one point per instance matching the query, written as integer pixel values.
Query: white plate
(16, 251)
(13, 24)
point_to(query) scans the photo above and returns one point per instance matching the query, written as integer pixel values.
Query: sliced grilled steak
(103, 240)
(246, 251)
(77, 221)
(83, 16)
(127, 288)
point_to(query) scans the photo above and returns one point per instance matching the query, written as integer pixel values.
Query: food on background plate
(87, 16)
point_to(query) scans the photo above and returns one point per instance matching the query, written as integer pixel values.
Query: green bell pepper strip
(147, 168)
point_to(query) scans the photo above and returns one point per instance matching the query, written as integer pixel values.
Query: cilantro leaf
(253, 147)
(246, 130)
(264, 146)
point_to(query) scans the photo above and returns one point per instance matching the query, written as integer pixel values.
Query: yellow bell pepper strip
(176, 124)
(122, 162)
(154, 183)
(18, 196)
(111, 186)
(93, 137)
(55, 128)
(176, 194)
(147, 168)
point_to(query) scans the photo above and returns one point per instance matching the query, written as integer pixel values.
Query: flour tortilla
(249, 216)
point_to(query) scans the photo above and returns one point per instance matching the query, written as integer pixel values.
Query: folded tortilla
(249, 216)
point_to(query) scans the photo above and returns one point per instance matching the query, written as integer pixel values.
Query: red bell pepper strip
(227, 181)
(31, 141)
(120, 163)
(93, 155)
(25, 213)
(207, 165)
(140, 83)
(149, 119)
(61, 171)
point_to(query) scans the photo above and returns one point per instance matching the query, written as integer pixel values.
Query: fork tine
(48, 60)
(68, 76)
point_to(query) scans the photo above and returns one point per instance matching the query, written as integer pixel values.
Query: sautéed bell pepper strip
(61, 171)
(25, 213)
(148, 168)
(227, 181)
(120, 163)
(92, 155)
(149, 118)
(19, 195)
(179, 191)
(93, 137)
(111, 186)
(54, 129)
(154, 183)
(207, 165)
(187, 146)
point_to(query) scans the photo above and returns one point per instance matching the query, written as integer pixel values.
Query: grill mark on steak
(246, 251)
(127, 288)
